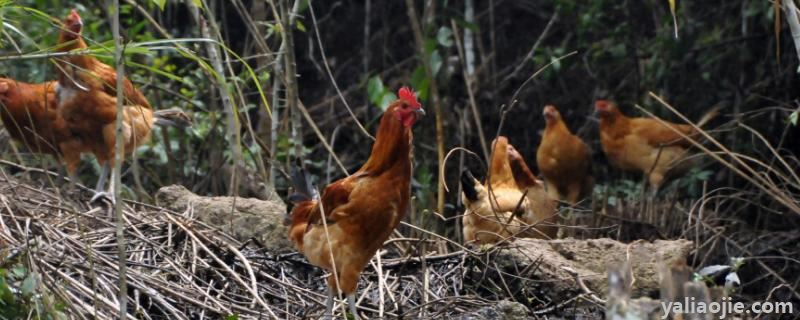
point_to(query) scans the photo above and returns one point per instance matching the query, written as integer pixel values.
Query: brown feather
(30, 114)
(363, 209)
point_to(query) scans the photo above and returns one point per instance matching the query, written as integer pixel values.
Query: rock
(243, 219)
(503, 310)
(590, 259)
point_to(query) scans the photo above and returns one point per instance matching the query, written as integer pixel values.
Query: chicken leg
(329, 305)
(99, 190)
(351, 301)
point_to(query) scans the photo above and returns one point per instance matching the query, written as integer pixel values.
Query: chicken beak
(420, 112)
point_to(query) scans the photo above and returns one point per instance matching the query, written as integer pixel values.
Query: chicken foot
(99, 191)
(351, 301)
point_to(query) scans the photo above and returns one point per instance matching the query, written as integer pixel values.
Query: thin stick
(330, 74)
(122, 295)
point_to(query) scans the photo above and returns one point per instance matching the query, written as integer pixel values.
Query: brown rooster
(341, 230)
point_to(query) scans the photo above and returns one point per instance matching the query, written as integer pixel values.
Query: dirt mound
(241, 218)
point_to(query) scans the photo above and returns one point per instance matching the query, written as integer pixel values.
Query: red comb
(601, 104)
(408, 95)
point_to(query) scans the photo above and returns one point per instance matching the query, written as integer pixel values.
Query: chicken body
(563, 160)
(100, 128)
(645, 145)
(483, 225)
(87, 101)
(504, 192)
(361, 210)
(542, 210)
(487, 219)
(29, 113)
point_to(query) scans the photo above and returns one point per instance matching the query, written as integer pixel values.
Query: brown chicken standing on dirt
(359, 211)
(543, 207)
(645, 145)
(87, 102)
(29, 113)
(563, 159)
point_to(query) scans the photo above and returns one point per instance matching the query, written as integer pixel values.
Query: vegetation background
(269, 81)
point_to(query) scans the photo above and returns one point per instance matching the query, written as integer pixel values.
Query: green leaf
(303, 6)
(420, 81)
(436, 62)
(617, 50)
(468, 25)
(18, 272)
(430, 45)
(387, 98)
(556, 63)
(445, 37)
(160, 4)
(375, 89)
(300, 26)
(28, 287)
(417, 77)
(793, 118)
(232, 317)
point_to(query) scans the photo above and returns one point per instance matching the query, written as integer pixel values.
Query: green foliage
(445, 37)
(693, 180)
(22, 295)
(420, 82)
(425, 187)
(379, 94)
(621, 190)
(162, 3)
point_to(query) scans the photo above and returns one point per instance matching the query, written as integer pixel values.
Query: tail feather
(303, 189)
(173, 118)
(468, 185)
(303, 197)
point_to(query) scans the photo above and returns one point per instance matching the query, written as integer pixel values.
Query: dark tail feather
(468, 185)
(303, 191)
(173, 118)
